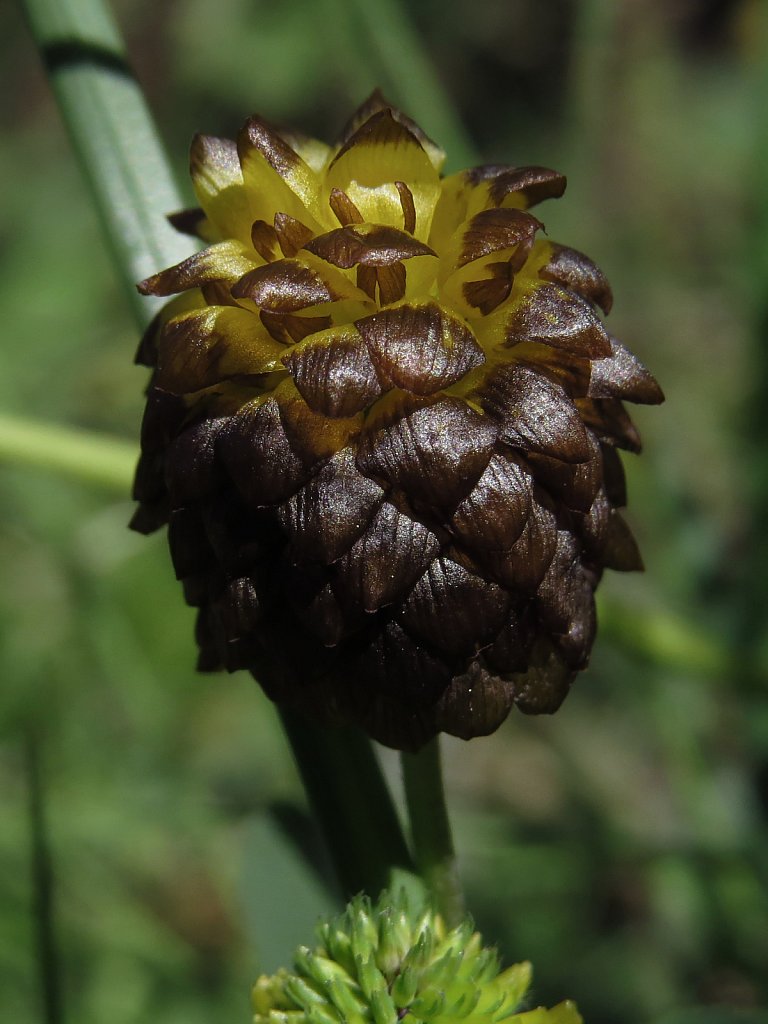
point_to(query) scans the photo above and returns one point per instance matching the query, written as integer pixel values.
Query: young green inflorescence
(383, 963)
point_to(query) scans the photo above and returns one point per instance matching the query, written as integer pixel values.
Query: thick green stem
(113, 134)
(351, 801)
(42, 886)
(431, 830)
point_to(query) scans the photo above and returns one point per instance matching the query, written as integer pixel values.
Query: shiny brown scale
(382, 429)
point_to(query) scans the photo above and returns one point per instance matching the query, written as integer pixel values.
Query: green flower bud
(389, 962)
(404, 988)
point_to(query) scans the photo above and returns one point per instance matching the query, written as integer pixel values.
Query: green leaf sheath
(113, 134)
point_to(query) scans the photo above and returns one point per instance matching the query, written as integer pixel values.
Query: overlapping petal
(224, 261)
(217, 343)
(218, 182)
(275, 178)
(379, 154)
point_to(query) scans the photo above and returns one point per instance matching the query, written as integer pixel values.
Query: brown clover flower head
(382, 428)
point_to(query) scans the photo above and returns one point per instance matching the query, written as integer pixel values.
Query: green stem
(113, 135)
(42, 886)
(351, 801)
(94, 458)
(431, 830)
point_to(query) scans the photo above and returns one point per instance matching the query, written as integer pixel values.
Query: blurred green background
(621, 845)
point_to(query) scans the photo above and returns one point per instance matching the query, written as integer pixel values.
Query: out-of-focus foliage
(620, 846)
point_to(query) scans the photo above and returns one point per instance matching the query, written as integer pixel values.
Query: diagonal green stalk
(113, 135)
(431, 830)
(125, 167)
